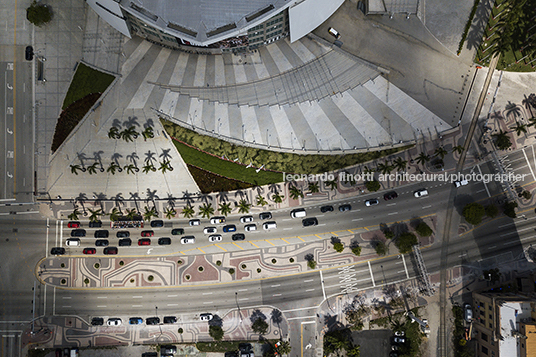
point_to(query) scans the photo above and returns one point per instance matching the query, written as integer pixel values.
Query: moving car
(246, 219)
(468, 313)
(250, 227)
(135, 321)
(325, 209)
(152, 320)
(97, 321)
(72, 242)
(96, 224)
(344, 208)
(57, 251)
(110, 250)
(89, 251)
(29, 53)
(390, 195)
(229, 228)
(170, 319)
(147, 233)
(461, 183)
(420, 193)
(122, 234)
(215, 238)
(371, 202)
(206, 317)
(157, 223)
(78, 233)
(307, 222)
(334, 33)
(101, 243)
(194, 222)
(102, 233)
(209, 230)
(265, 215)
(217, 220)
(238, 236)
(73, 224)
(177, 231)
(164, 241)
(144, 241)
(298, 213)
(188, 240)
(269, 225)
(125, 242)
(114, 321)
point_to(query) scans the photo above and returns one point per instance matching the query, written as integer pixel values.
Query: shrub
(492, 211)
(86, 281)
(274, 261)
(216, 332)
(131, 280)
(260, 326)
(97, 265)
(187, 277)
(231, 271)
(243, 266)
(179, 262)
(62, 265)
(200, 269)
(509, 209)
(311, 264)
(338, 246)
(372, 186)
(218, 263)
(291, 260)
(389, 234)
(423, 229)
(121, 263)
(38, 14)
(473, 213)
(63, 281)
(380, 248)
(150, 278)
(180, 330)
(526, 195)
(258, 270)
(356, 250)
(405, 242)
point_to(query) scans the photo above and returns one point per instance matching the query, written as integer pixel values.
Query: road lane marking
(210, 293)
(405, 266)
(390, 214)
(506, 225)
(531, 237)
(530, 167)
(277, 295)
(242, 289)
(485, 186)
(322, 280)
(371, 276)
(208, 302)
(425, 207)
(137, 305)
(357, 219)
(391, 204)
(238, 246)
(172, 304)
(243, 299)
(137, 297)
(101, 305)
(493, 247)
(275, 286)
(308, 280)
(303, 317)
(287, 229)
(102, 297)
(172, 295)
(309, 290)
(507, 243)
(66, 297)
(66, 306)
(287, 219)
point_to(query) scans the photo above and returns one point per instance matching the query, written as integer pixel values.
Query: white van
(269, 225)
(298, 213)
(72, 242)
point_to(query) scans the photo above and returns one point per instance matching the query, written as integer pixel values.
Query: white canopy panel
(308, 15)
(111, 12)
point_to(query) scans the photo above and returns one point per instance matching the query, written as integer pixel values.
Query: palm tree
(400, 164)
(76, 168)
(423, 158)
(532, 121)
(131, 213)
(95, 214)
(519, 128)
(130, 168)
(113, 133)
(74, 216)
(512, 109)
(115, 214)
(188, 211)
(502, 140)
(332, 184)
(206, 210)
(92, 169)
(225, 208)
(313, 187)
(295, 193)
(441, 152)
(458, 149)
(165, 166)
(261, 201)
(278, 198)
(129, 133)
(385, 167)
(148, 133)
(148, 167)
(243, 206)
(149, 213)
(170, 212)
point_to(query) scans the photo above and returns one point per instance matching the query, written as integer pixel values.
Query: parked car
(269, 225)
(177, 231)
(152, 320)
(238, 236)
(110, 250)
(57, 251)
(95, 224)
(73, 224)
(170, 319)
(89, 251)
(399, 333)
(78, 233)
(72, 242)
(157, 223)
(102, 233)
(168, 350)
(307, 222)
(97, 321)
(164, 241)
(229, 228)
(468, 313)
(420, 193)
(325, 209)
(390, 195)
(344, 208)
(250, 227)
(122, 234)
(334, 33)
(125, 242)
(217, 220)
(215, 238)
(399, 340)
(194, 222)
(135, 321)
(461, 183)
(206, 317)
(246, 219)
(298, 213)
(265, 215)
(144, 241)
(188, 240)
(114, 321)
(147, 233)
(372, 202)
(101, 243)
(209, 230)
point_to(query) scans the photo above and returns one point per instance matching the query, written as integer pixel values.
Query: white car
(194, 222)
(250, 227)
(468, 313)
(217, 220)
(399, 333)
(269, 225)
(215, 238)
(72, 242)
(205, 317)
(246, 219)
(210, 230)
(461, 183)
(334, 33)
(114, 321)
(420, 193)
(371, 202)
(188, 240)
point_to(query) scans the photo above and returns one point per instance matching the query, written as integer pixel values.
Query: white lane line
(276, 285)
(243, 299)
(507, 243)
(492, 247)
(102, 297)
(357, 219)
(425, 207)
(481, 190)
(531, 237)
(137, 305)
(242, 289)
(462, 255)
(320, 215)
(507, 234)
(322, 280)
(287, 229)
(46, 242)
(101, 305)
(210, 293)
(309, 290)
(405, 266)
(528, 162)
(277, 295)
(371, 276)
(66, 297)
(400, 271)
(303, 317)
(390, 214)
(308, 280)
(485, 185)
(137, 297)
(172, 295)
(208, 302)
(320, 225)
(172, 304)
(506, 225)
(391, 204)
(287, 219)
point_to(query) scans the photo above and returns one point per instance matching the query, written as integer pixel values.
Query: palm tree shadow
(131, 121)
(82, 157)
(98, 157)
(165, 154)
(240, 193)
(116, 123)
(133, 158)
(115, 158)
(148, 124)
(188, 197)
(204, 198)
(171, 200)
(119, 200)
(134, 196)
(149, 157)
(82, 198)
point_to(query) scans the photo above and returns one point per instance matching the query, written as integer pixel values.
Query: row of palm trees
(115, 167)
(130, 133)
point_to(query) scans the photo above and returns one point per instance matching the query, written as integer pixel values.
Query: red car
(73, 224)
(144, 241)
(147, 233)
(90, 251)
(110, 250)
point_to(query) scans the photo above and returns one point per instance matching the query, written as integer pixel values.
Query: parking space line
(217, 245)
(238, 246)
(255, 245)
(270, 242)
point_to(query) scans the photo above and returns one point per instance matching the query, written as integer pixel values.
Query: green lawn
(86, 81)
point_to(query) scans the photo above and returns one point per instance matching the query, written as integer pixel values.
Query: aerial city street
(301, 178)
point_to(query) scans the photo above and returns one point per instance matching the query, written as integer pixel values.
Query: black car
(152, 320)
(245, 347)
(157, 223)
(96, 224)
(122, 234)
(390, 195)
(344, 208)
(101, 243)
(110, 250)
(97, 321)
(102, 233)
(325, 209)
(29, 53)
(310, 222)
(57, 251)
(265, 215)
(177, 231)
(78, 233)
(170, 319)
(238, 236)
(164, 241)
(125, 242)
